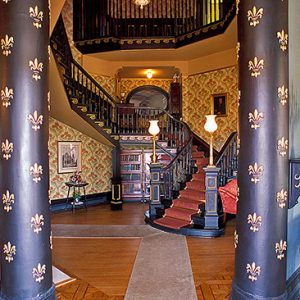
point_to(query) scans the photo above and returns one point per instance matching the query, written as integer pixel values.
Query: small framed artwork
(69, 157)
(218, 105)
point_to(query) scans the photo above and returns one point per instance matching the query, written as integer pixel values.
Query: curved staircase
(191, 200)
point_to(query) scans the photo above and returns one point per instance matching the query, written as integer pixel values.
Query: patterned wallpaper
(129, 84)
(107, 82)
(197, 91)
(96, 161)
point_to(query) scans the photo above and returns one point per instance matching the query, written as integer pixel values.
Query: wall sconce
(154, 131)
(211, 126)
(149, 74)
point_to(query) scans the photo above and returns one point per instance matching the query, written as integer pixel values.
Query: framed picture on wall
(69, 157)
(219, 105)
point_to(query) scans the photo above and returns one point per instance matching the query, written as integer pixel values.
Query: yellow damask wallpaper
(96, 161)
(197, 91)
(107, 82)
(129, 84)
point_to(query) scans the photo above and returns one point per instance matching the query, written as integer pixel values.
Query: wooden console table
(76, 188)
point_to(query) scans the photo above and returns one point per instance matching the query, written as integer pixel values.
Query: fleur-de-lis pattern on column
(237, 3)
(8, 200)
(256, 66)
(263, 155)
(255, 118)
(37, 68)
(283, 40)
(9, 251)
(7, 44)
(37, 223)
(37, 16)
(255, 15)
(36, 171)
(36, 120)
(282, 146)
(283, 94)
(253, 271)
(280, 248)
(24, 69)
(255, 222)
(7, 96)
(7, 149)
(236, 239)
(39, 272)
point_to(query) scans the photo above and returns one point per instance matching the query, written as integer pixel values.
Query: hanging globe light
(141, 3)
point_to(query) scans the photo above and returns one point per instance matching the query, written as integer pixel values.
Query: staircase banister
(94, 81)
(222, 152)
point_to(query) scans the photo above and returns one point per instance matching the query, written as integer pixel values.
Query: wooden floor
(103, 265)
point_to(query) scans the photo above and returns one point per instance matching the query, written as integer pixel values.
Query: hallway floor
(102, 260)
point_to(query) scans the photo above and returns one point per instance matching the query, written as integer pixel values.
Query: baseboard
(293, 286)
(92, 199)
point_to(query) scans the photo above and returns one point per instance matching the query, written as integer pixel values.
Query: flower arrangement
(76, 177)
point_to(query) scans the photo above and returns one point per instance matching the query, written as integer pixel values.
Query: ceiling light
(149, 74)
(141, 3)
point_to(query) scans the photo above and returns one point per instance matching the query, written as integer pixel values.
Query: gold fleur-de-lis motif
(9, 251)
(280, 248)
(36, 68)
(282, 146)
(36, 120)
(237, 3)
(253, 271)
(8, 200)
(255, 15)
(256, 66)
(281, 198)
(37, 16)
(236, 239)
(255, 172)
(283, 39)
(35, 171)
(238, 48)
(6, 96)
(6, 44)
(283, 94)
(255, 118)
(255, 222)
(237, 194)
(38, 272)
(37, 222)
(7, 148)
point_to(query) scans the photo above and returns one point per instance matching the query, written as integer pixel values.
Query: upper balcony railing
(121, 24)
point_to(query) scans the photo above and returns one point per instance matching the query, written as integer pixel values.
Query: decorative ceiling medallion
(280, 248)
(255, 222)
(36, 120)
(282, 146)
(37, 69)
(6, 44)
(256, 66)
(283, 40)
(7, 148)
(38, 272)
(255, 15)
(283, 94)
(37, 16)
(255, 118)
(253, 271)
(9, 250)
(35, 171)
(37, 222)
(281, 198)
(236, 239)
(6, 96)
(255, 171)
(8, 200)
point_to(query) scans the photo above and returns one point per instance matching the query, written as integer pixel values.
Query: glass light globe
(153, 128)
(210, 124)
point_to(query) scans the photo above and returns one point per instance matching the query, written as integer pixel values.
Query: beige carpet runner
(187, 204)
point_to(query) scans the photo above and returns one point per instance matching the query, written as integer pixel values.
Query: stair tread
(172, 222)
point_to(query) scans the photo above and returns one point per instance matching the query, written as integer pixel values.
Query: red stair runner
(187, 204)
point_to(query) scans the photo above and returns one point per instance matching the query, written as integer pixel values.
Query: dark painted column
(260, 238)
(26, 267)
